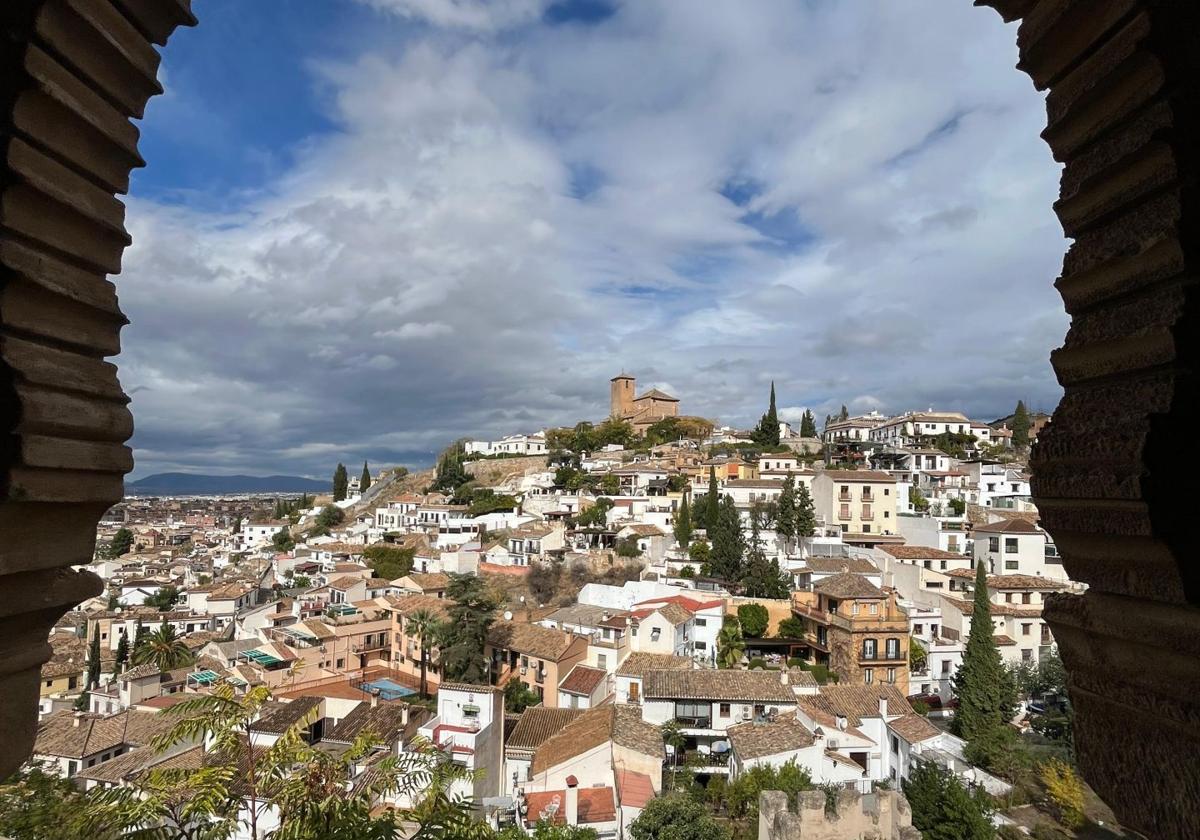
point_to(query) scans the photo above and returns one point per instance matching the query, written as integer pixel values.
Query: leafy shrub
(920, 707)
(754, 619)
(757, 663)
(797, 662)
(1065, 791)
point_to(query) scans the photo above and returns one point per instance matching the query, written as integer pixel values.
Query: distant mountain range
(195, 484)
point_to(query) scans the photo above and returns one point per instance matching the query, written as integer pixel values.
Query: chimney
(841, 722)
(75, 721)
(374, 700)
(404, 714)
(571, 801)
(783, 676)
(883, 707)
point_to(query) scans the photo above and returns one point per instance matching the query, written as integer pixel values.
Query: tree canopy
(122, 542)
(676, 817)
(364, 480)
(463, 635)
(766, 433)
(943, 808)
(754, 619)
(683, 523)
(1020, 426)
(728, 544)
(341, 482)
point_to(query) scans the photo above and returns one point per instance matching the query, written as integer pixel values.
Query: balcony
(844, 497)
(366, 647)
(867, 517)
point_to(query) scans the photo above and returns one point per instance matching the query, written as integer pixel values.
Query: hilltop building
(641, 411)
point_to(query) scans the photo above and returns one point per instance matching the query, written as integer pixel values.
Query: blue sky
(369, 227)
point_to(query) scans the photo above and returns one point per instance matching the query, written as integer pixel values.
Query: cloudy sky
(368, 228)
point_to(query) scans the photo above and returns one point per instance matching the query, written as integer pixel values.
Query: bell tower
(621, 390)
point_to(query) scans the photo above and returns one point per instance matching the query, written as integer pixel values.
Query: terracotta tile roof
(859, 701)
(345, 582)
(537, 724)
(385, 720)
(582, 680)
(643, 530)
(58, 734)
(689, 604)
(428, 581)
(138, 672)
(1003, 640)
(639, 663)
(757, 739)
(833, 565)
(914, 728)
(674, 613)
(277, 718)
(477, 689)
(131, 764)
(406, 605)
(634, 789)
(921, 552)
(755, 484)
(595, 805)
(622, 725)
(1025, 582)
(1009, 526)
(705, 684)
(586, 615)
(848, 585)
(851, 476)
(319, 629)
(530, 639)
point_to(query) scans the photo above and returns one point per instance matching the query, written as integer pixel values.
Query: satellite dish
(508, 615)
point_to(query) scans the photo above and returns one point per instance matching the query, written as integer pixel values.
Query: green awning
(204, 677)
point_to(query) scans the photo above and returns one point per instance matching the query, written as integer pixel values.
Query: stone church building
(641, 411)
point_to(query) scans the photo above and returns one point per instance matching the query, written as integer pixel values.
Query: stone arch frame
(1123, 113)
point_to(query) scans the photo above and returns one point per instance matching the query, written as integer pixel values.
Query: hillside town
(577, 621)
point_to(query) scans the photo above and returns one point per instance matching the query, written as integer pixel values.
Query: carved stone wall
(72, 74)
(1124, 81)
(883, 815)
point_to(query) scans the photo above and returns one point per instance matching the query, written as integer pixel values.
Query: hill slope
(184, 484)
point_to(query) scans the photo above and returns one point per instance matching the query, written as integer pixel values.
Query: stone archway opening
(1123, 111)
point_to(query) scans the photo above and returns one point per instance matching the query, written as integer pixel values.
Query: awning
(262, 658)
(204, 677)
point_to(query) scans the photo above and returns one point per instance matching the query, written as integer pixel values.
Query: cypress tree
(93, 668)
(683, 524)
(982, 684)
(122, 653)
(767, 431)
(844, 414)
(712, 503)
(808, 424)
(1020, 426)
(364, 480)
(341, 483)
(785, 517)
(805, 517)
(728, 544)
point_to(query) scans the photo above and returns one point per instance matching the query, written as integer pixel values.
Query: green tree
(762, 578)
(843, 414)
(917, 656)
(982, 685)
(341, 482)
(628, 547)
(93, 665)
(329, 516)
(364, 481)
(785, 513)
(958, 506)
(683, 523)
(164, 649)
(451, 468)
(596, 516)
(944, 809)
(122, 542)
(1020, 426)
(545, 830)
(766, 433)
(676, 817)
(164, 599)
(730, 644)
(915, 499)
(806, 513)
(518, 697)
(754, 619)
(712, 503)
(122, 653)
(425, 625)
(610, 485)
(35, 805)
(282, 540)
(389, 561)
(301, 581)
(743, 793)
(790, 628)
(728, 543)
(808, 425)
(464, 633)
(699, 552)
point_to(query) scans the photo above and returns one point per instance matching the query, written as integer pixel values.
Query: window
(724, 710)
(72, 768)
(1008, 597)
(866, 529)
(887, 492)
(1010, 545)
(917, 629)
(844, 512)
(602, 660)
(887, 514)
(1011, 565)
(873, 608)
(700, 645)
(701, 622)
(868, 676)
(1026, 655)
(928, 564)
(895, 744)
(943, 565)
(655, 634)
(892, 675)
(892, 647)
(945, 667)
(341, 663)
(1026, 629)
(1025, 598)
(869, 647)
(993, 543)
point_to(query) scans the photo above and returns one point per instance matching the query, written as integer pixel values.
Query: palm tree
(423, 624)
(730, 644)
(163, 648)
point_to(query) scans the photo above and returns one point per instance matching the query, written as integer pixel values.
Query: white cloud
(503, 221)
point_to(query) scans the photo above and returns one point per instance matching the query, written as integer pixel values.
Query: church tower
(621, 395)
